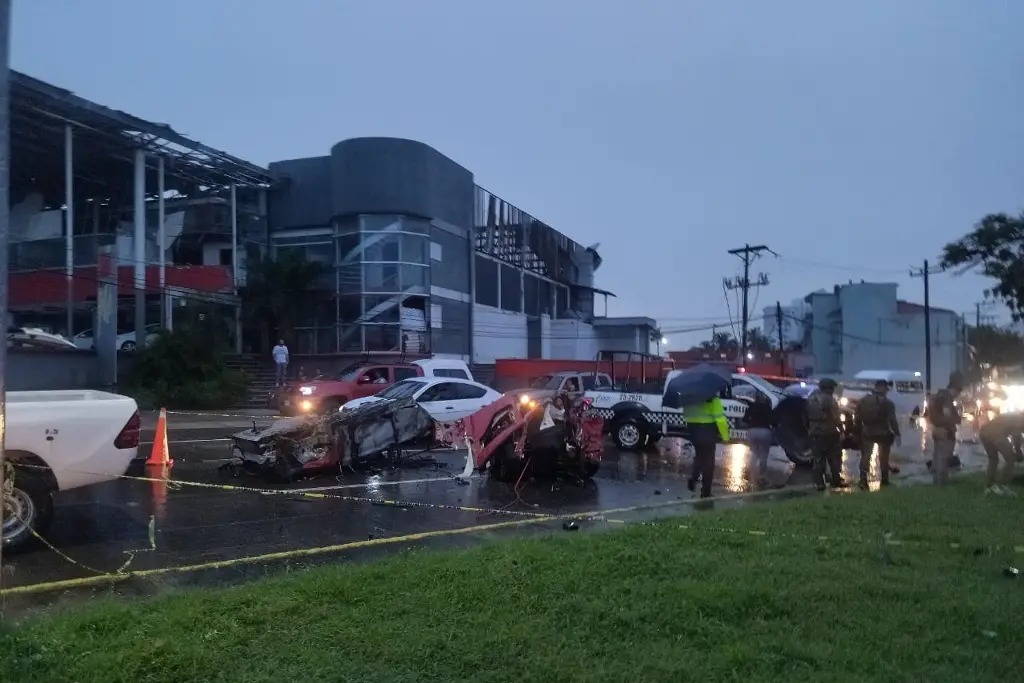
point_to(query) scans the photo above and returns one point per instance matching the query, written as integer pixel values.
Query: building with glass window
(424, 260)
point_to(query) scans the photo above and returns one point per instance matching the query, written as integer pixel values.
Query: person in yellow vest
(707, 426)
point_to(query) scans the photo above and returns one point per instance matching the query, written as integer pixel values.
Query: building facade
(423, 260)
(865, 326)
(792, 323)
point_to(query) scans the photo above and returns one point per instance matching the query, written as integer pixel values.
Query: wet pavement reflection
(138, 525)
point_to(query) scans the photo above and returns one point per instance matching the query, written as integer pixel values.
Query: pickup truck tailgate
(85, 436)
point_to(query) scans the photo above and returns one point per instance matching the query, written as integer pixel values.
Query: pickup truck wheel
(28, 507)
(629, 434)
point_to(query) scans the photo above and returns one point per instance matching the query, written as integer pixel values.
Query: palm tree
(277, 291)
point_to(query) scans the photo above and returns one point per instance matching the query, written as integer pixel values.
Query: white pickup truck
(60, 440)
(633, 419)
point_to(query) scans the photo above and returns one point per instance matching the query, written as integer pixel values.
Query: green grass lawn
(706, 601)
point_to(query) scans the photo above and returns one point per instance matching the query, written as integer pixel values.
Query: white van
(906, 388)
(444, 367)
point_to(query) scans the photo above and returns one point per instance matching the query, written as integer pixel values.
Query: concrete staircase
(261, 379)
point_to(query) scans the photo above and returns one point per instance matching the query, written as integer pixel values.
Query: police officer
(1003, 435)
(707, 426)
(944, 419)
(823, 428)
(876, 415)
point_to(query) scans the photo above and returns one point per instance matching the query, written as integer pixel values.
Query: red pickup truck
(359, 380)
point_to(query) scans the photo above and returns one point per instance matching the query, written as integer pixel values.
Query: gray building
(423, 259)
(864, 326)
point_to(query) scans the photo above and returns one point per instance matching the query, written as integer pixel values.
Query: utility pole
(747, 253)
(782, 344)
(923, 273)
(5, 168)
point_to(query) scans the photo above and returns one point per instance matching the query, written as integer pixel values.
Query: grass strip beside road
(805, 590)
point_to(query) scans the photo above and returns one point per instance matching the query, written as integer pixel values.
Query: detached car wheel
(28, 507)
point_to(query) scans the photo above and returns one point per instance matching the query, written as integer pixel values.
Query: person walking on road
(823, 429)
(944, 419)
(1003, 435)
(759, 421)
(879, 428)
(707, 427)
(280, 354)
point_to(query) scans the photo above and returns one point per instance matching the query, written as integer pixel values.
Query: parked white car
(60, 440)
(125, 340)
(444, 398)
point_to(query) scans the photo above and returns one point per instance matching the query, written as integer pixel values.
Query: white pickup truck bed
(74, 433)
(58, 440)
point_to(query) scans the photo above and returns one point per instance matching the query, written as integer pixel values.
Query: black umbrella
(696, 385)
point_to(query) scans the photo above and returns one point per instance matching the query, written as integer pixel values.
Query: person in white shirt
(280, 354)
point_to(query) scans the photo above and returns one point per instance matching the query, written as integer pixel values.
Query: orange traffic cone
(161, 454)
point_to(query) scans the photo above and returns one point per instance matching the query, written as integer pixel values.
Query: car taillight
(129, 436)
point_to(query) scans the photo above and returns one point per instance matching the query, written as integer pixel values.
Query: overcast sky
(853, 138)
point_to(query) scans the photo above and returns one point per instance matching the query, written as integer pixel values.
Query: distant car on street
(125, 339)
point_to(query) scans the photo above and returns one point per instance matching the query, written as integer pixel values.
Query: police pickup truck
(634, 419)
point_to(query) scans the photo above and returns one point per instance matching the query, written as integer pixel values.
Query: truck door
(372, 379)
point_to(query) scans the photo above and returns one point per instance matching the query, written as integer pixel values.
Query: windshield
(350, 373)
(763, 384)
(542, 382)
(403, 389)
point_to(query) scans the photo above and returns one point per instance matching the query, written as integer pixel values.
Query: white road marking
(174, 441)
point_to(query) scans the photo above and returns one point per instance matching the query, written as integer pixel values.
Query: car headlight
(307, 391)
(305, 406)
(524, 399)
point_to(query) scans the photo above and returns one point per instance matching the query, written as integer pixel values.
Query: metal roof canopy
(104, 142)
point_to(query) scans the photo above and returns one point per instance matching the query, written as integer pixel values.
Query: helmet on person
(827, 384)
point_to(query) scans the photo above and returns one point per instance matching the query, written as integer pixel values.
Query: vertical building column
(234, 268)
(161, 241)
(69, 228)
(139, 244)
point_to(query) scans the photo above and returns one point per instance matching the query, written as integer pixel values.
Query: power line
(832, 266)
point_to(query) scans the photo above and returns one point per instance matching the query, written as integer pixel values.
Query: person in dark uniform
(1003, 435)
(944, 419)
(823, 429)
(879, 428)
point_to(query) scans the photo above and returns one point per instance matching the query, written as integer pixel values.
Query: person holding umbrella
(696, 392)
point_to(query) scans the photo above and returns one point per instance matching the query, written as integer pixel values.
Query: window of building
(486, 281)
(413, 276)
(225, 257)
(381, 309)
(511, 289)
(381, 277)
(380, 223)
(435, 316)
(436, 254)
(381, 247)
(414, 248)
(382, 337)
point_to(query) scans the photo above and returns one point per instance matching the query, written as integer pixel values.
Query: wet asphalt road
(181, 528)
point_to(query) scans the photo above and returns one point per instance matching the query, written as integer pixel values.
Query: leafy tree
(277, 291)
(997, 245)
(996, 346)
(185, 368)
(724, 342)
